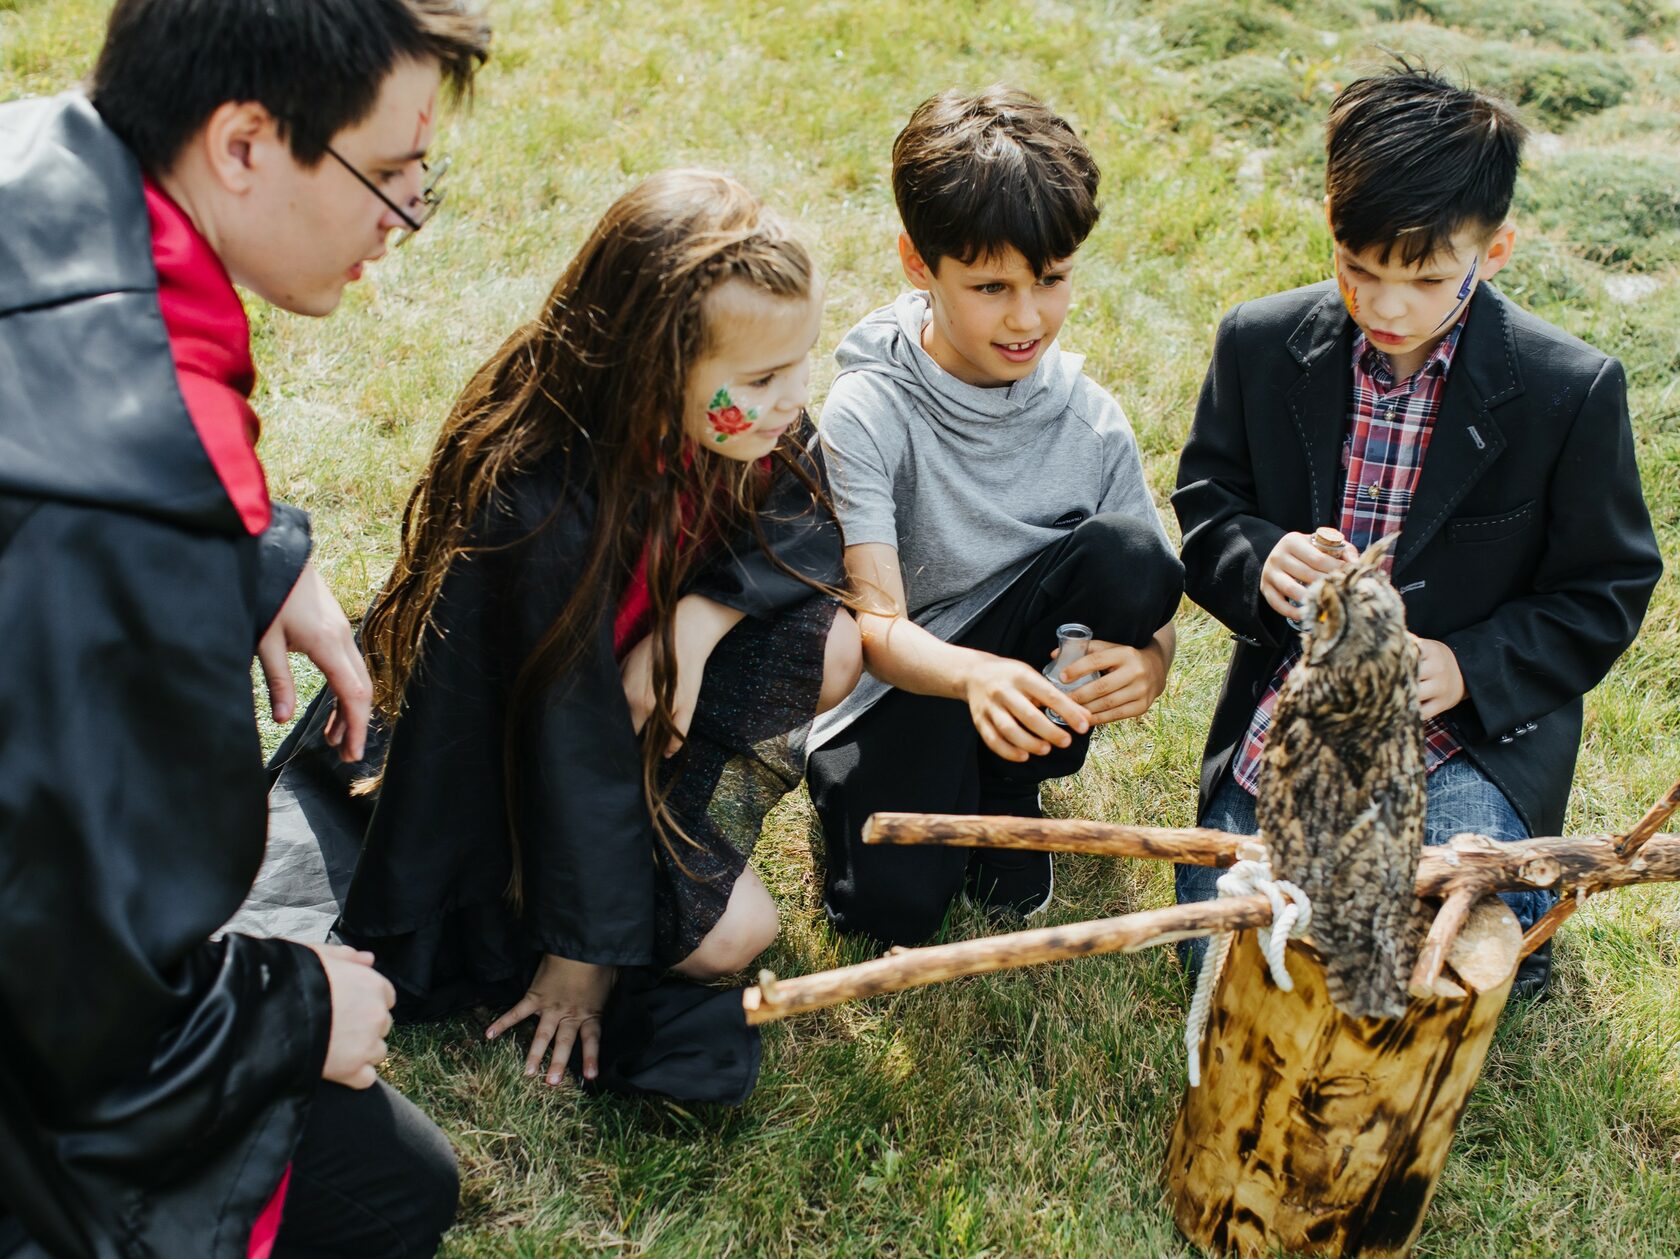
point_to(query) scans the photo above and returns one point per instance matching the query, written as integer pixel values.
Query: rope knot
(1291, 914)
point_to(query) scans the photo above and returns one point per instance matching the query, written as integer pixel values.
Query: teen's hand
(1294, 564)
(567, 997)
(1007, 698)
(1440, 681)
(311, 621)
(1131, 680)
(361, 1015)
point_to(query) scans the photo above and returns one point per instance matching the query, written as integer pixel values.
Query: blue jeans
(1461, 798)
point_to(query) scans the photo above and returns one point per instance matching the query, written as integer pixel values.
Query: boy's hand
(1440, 681)
(567, 997)
(361, 1015)
(700, 624)
(1007, 698)
(1131, 680)
(1294, 564)
(311, 621)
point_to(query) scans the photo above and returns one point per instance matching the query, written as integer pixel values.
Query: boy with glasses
(163, 1093)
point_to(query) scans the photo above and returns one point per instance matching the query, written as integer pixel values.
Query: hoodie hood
(90, 407)
(889, 343)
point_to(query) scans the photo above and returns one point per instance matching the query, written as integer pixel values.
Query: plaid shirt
(1389, 426)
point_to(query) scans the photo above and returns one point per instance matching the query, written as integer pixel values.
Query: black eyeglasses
(425, 205)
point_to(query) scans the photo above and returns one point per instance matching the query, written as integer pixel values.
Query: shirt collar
(1375, 362)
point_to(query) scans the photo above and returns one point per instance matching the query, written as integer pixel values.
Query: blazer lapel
(1466, 438)
(1317, 402)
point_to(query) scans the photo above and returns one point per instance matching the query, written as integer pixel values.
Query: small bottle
(1072, 640)
(1329, 540)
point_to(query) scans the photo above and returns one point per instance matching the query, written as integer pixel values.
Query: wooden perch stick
(1455, 912)
(1633, 840)
(1547, 923)
(775, 999)
(1194, 845)
(1474, 863)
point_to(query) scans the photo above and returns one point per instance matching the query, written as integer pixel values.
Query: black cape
(152, 1082)
(422, 874)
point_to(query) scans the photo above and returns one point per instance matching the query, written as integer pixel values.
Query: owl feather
(1342, 791)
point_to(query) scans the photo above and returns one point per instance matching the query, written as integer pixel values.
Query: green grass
(1022, 1114)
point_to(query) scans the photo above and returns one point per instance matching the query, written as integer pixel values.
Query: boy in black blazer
(1411, 397)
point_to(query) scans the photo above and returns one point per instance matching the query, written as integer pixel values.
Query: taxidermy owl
(1342, 785)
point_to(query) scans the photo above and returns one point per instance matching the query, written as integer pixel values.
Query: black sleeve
(1592, 586)
(801, 532)
(584, 834)
(282, 551)
(1226, 540)
(137, 1051)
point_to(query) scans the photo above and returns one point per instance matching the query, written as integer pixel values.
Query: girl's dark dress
(429, 893)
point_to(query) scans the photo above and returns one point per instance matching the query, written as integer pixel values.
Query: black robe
(152, 1082)
(431, 854)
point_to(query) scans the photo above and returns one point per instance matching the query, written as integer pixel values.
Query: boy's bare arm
(1005, 697)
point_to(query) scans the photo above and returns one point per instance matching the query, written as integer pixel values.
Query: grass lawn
(1027, 1113)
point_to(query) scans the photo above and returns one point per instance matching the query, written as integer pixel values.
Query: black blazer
(1527, 549)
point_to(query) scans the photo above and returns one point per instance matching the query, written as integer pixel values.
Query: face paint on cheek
(726, 418)
(1350, 298)
(1463, 292)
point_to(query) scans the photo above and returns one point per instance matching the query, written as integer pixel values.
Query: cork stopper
(1329, 540)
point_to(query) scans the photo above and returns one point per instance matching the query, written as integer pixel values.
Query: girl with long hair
(610, 624)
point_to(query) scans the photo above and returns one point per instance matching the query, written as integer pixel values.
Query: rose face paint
(727, 419)
(1463, 292)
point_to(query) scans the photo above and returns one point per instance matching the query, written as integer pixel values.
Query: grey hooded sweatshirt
(968, 484)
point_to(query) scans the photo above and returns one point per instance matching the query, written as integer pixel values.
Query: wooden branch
(1630, 842)
(774, 999)
(1474, 862)
(1455, 912)
(1194, 845)
(1547, 923)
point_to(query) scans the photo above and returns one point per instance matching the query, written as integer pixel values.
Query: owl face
(1353, 634)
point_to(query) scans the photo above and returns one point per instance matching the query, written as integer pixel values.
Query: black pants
(922, 754)
(372, 1178)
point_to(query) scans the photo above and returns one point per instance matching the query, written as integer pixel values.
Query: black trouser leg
(372, 1178)
(917, 753)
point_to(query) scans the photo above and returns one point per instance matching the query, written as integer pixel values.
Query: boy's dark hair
(1412, 159)
(316, 65)
(974, 175)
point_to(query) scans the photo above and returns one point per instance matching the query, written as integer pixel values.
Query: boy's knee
(897, 913)
(1126, 575)
(842, 661)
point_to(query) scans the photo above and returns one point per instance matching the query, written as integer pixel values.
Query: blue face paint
(1463, 292)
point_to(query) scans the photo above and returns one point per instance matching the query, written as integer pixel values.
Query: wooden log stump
(1317, 1133)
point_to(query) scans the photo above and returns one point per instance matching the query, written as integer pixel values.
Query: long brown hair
(602, 373)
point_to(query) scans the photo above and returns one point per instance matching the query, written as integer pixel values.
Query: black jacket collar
(1466, 441)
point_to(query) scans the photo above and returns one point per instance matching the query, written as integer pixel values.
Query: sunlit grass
(1024, 1113)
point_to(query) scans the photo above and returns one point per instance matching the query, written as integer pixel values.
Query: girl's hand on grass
(1294, 564)
(1131, 680)
(1007, 699)
(567, 997)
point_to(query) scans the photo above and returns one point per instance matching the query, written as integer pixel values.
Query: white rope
(1291, 912)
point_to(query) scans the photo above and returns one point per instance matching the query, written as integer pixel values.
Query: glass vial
(1072, 641)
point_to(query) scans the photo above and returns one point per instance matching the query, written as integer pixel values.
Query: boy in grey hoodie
(989, 492)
